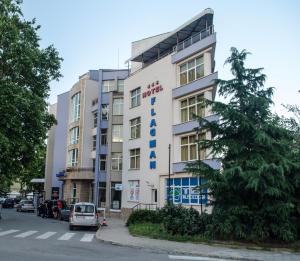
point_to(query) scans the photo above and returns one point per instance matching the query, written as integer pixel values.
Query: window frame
(190, 144)
(198, 105)
(75, 107)
(135, 95)
(74, 135)
(118, 85)
(118, 107)
(135, 128)
(108, 86)
(73, 157)
(117, 129)
(117, 157)
(137, 158)
(102, 135)
(104, 112)
(102, 159)
(191, 69)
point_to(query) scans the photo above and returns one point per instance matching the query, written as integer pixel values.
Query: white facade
(162, 120)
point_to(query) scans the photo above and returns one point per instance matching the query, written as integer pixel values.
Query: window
(95, 119)
(135, 128)
(116, 161)
(134, 190)
(108, 86)
(116, 196)
(102, 163)
(73, 158)
(75, 103)
(184, 191)
(74, 135)
(135, 97)
(191, 70)
(104, 111)
(102, 194)
(189, 148)
(94, 165)
(74, 193)
(117, 133)
(118, 106)
(192, 107)
(135, 159)
(94, 142)
(103, 138)
(120, 85)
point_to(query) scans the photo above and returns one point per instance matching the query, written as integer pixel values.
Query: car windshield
(27, 202)
(84, 208)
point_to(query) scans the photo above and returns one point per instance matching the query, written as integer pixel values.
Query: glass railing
(194, 39)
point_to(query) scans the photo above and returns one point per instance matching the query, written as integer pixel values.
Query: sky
(94, 34)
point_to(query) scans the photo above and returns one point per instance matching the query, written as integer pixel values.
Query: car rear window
(84, 209)
(27, 202)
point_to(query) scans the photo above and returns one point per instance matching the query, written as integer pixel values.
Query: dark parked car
(8, 203)
(65, 212)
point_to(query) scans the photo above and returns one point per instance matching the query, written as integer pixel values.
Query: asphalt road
(24, 237)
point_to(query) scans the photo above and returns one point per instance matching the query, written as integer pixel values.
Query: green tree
(253, 193)
(26, 70)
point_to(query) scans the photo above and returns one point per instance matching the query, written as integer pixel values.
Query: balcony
(194, 44)
(194, 86)
(179, 167)
(189, 126)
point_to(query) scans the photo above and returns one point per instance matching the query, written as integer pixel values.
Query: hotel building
(171, 76)
(84, 152)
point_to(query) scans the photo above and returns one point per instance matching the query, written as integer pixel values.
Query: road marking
(87, 238)
(66, 236)
(203, 258)
(46, 235)
(4, 233)
(26, 234)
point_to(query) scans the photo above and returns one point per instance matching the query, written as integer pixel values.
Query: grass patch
(157, 231)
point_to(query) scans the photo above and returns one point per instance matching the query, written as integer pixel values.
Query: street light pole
(198, 148)
(169, 180)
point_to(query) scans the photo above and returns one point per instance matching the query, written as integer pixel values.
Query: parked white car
(25, 205)
(84, 214)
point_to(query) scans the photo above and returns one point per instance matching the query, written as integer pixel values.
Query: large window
(135, 128)
(116, 196)
(102, 162)
(116, 161)
(94, 142)
(74, 135)
(135, 159)
(134, 190)
(104, 111)
(75, 103)
(189, 148)
(118, 106)
(192, 107)
(73, 158)
(120, 85)
(95, 119)
(184, 191)
(191, 70)
(103, 138)
(135, 96)
(74, 193)
(117, 133)
(108, 86)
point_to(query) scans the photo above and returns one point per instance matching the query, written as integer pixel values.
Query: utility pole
(169, 180)
(198, 149)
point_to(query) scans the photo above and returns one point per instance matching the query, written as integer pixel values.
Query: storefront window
(116, 196)
(184, 191)
(134, 190)
(102, 194)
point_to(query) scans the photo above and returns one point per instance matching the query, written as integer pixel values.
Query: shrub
(144, 216)
(182, 221)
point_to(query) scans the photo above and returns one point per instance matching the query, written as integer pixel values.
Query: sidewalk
(117, 233)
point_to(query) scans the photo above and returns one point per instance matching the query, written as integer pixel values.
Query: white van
(84, 214)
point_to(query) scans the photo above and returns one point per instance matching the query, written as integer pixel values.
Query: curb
(174, 252)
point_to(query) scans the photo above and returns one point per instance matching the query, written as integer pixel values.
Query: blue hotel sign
(153, 88)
